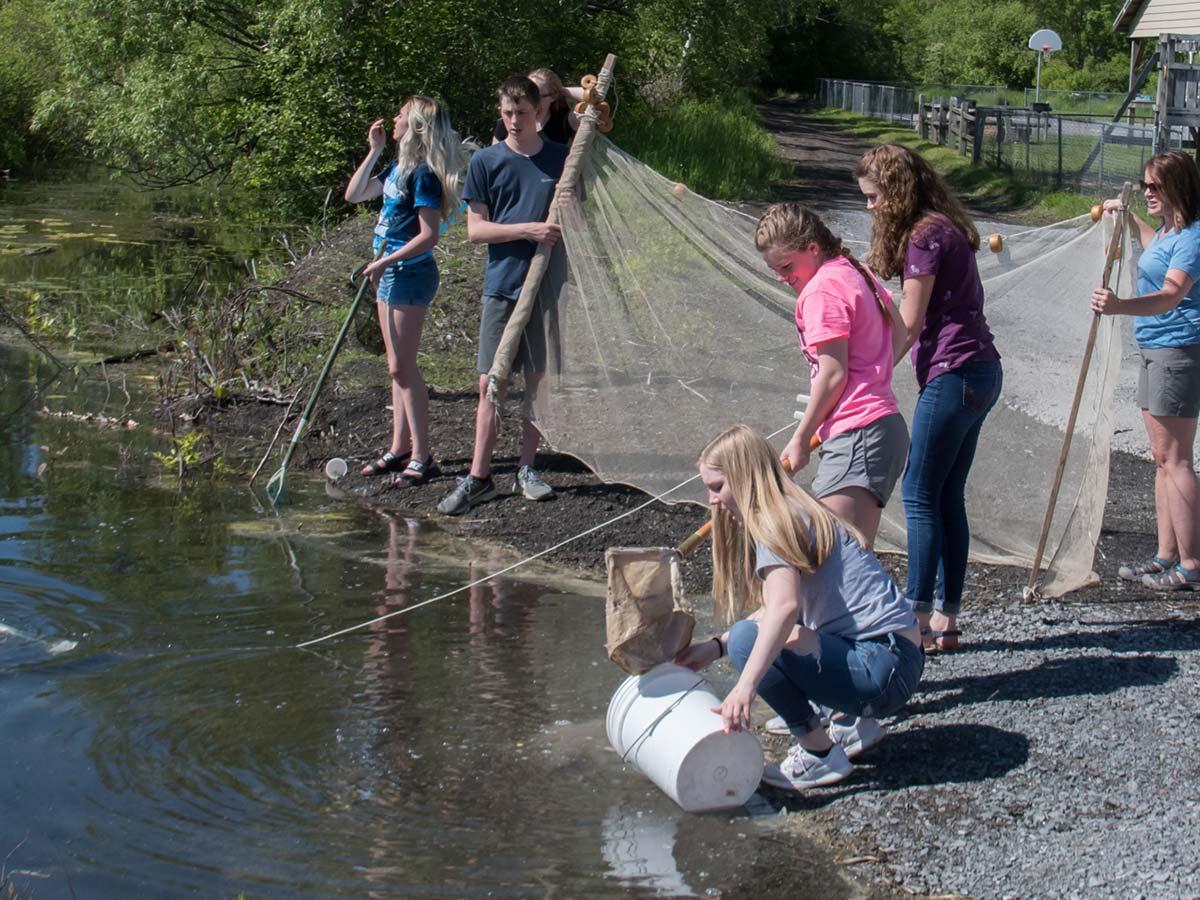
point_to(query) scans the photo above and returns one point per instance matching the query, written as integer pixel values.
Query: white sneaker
(857, 737)
(779, 727)
(776, 726)
(801, 769)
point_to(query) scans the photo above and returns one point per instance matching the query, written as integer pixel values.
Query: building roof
(1150, 18)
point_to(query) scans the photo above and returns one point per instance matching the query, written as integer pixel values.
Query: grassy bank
(717, 147)
(983, 186)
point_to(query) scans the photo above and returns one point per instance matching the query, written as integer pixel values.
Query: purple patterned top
(955, 331)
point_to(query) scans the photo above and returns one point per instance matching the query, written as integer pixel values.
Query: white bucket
(663, 724)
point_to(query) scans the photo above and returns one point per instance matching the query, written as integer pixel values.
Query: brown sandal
(946, 641)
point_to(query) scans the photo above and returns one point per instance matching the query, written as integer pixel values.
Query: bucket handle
(650, 728)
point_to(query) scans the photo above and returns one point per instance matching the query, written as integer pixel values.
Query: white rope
(516, 565)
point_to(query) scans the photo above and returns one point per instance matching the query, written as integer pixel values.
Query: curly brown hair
(910, 194)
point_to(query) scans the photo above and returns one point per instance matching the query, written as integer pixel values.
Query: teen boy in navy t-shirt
(509, 188)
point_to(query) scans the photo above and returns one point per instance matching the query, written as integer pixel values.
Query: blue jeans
(945, 430)
(862, 678)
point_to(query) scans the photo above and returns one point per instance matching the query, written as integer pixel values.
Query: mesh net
(671, 329)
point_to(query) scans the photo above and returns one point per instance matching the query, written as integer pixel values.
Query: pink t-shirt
(837, 303)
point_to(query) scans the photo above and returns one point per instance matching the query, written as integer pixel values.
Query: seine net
(671, 328)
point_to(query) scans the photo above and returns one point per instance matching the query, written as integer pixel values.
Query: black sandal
(388, 462)
(417, 472)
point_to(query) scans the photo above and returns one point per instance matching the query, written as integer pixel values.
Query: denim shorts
(871, 457)
(1169, 381)
(409, 283)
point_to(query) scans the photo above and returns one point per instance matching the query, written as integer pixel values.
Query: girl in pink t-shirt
(844, 317)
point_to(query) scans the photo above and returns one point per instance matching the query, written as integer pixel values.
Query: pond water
(103, 254)
(161, 737)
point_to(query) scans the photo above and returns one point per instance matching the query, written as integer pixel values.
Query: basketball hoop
(1043, 41)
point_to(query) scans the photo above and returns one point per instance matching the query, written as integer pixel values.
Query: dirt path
(824, 157)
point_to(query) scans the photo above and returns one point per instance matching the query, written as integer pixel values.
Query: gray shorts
(531, 352)
(871, 457)
(1169, 381)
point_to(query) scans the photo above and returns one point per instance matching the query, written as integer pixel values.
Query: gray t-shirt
(850, 596)
(515, 188)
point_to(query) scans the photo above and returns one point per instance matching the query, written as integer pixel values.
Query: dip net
(671, 328)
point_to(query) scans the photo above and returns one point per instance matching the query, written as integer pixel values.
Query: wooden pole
(1114, 246)
(572, 170)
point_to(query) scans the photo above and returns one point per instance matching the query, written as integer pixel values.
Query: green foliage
(278, 94)
(184, 454)
(28, 66)
(718, 148)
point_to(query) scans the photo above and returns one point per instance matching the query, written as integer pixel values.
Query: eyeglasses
(1151, 186)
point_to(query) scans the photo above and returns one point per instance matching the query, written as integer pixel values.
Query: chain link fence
(1063, 150)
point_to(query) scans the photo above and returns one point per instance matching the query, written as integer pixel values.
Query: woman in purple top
(923, 234)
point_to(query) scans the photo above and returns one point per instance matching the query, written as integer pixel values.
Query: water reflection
(184, 748)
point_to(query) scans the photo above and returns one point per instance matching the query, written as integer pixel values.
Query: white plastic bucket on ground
(662, 723)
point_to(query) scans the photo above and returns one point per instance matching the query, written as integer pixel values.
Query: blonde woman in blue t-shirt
(830, 627)
(1167, 331)
(419, 190)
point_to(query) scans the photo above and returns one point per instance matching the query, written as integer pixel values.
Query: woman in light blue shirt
(1167, 330)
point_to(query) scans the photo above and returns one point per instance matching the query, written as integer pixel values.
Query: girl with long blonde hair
(922, 234)
(420, 189)
(844, 321)
(829, 625)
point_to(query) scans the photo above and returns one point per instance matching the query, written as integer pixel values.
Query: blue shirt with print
(1178, 327)
(515, 188)
(398, 223)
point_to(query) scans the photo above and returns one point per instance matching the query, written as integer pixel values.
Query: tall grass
(717, 147)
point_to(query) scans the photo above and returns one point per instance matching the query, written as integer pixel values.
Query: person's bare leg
(530, 436)
(400, 437)
(1160, 439)
(487, 429)
(1176, 437)
(859, 507)
(408, 385)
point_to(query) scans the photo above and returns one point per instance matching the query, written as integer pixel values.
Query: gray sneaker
(529, 483)
(801, 769)
(856, 736)
(470, 491)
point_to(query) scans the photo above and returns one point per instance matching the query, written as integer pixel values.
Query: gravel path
(1054, 757)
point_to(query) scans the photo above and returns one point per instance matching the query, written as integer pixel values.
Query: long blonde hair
(910, 193)
(432, 140)
(775, 512)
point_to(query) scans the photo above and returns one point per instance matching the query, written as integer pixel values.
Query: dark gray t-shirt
(515, 188)
(850, 596)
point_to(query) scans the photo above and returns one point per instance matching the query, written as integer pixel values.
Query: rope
(516, 565)
(666, 712)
